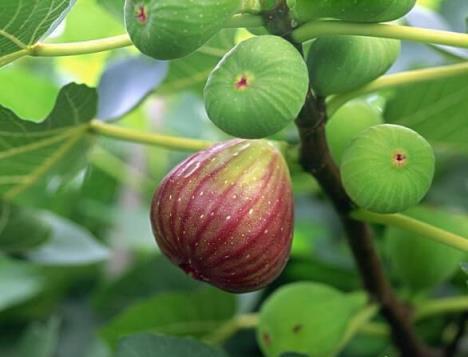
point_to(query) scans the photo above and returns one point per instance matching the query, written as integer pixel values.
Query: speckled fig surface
(225, 215)
(388, 168)
(169, 29)
(258, 88)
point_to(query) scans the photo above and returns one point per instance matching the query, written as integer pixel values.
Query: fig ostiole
(355, 11)
(258, 88)
(339, 64)
(225, 215)
(169, 29)
(388, 168)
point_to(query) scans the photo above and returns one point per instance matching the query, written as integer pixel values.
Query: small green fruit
(355, 11)
(388, 168)
(350, 120)
(258, 88)
(419, 262)
(168, 29)
(342, 63)
(307, 318)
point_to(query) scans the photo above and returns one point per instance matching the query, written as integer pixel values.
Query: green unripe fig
(350, 120)
(419, 262)
(168, 29)
(388, 168)
(258, 88)
(339, 64)
(355, 11)
(306, 318)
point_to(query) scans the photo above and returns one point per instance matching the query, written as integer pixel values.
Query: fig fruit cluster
(225, 215)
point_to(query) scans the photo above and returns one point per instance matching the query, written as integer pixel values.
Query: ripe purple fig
(225, 215)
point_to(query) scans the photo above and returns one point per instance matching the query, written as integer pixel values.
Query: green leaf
(144, 280)
(18, 282)
(115, 7)
(146, 345)
(34, 94)
(23, 23)
(197, 314)
(30, 151)
(21, 228)
(40, 340)
(436, 110)
(191, 72)
(69, 244)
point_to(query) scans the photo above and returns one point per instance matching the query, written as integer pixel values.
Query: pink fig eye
(141, 14)
(399, 159)
(242, 83)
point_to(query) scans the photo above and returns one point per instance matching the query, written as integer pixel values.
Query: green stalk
(398, 79)
(319, 28)
(135, 136)
(439, 306)
(231, 327)
(79, 48)
(413, 225)
(361, 319)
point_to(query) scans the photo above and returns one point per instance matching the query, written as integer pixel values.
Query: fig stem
(413, 225)
(398, 79)
(239, 322)
(79, 48)
(359, 320)
(441, 306)
(135, 136)
(320, 28)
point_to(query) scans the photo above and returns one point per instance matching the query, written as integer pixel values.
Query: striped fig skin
(225, 215)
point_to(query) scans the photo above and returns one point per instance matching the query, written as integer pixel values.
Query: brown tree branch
(315, 158)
